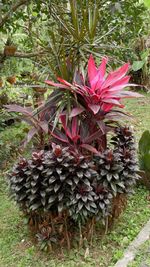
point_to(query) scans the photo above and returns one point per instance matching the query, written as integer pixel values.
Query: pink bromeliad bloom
(101, 92)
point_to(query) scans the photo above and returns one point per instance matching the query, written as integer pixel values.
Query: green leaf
(144, 55)
(137, 65)
(147, 3)
(144, 143)
(146, 160)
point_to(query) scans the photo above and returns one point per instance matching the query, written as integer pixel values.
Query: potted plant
(78, 177)
(144, 158)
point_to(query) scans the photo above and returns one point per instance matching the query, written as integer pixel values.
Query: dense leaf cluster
(125, 145)
(57, 180)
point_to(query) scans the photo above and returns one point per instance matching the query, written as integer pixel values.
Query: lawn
(140, 111)
(17, 249)
(143, 256)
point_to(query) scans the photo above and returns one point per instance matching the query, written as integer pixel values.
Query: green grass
(143, 256)
(18, 250)
(140, 110)
(10, 140)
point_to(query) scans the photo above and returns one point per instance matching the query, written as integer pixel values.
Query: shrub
(144, 151)
(144, 158)
(75, 182)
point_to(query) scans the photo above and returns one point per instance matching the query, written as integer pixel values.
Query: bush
(79, 179)
(55, 183)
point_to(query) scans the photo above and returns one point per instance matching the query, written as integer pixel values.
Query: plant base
(59, 230)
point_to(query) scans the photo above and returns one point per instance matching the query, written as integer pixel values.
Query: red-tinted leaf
(115, 90)
(99, 78)
(31, 133)
(93, 137)
(74, 127)
(44, 126)
(106, 107)
(94, 108)
(20, 109)
(92, 70)
(53, 99)
(76, 111)
(102, 126)
(117, 115)
(116, 75)
(59, 85)
(114, 102)
(90, 148)
(78, 78)
(128, 94)
(84, 131)
(63, 119)
(64, 82)
(122, 81)
(60, 136)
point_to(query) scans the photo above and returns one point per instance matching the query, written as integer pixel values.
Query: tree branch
(12, 9)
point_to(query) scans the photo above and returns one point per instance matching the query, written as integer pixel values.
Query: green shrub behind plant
(144, 151)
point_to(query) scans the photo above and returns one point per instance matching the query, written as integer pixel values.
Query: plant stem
(67, 236)
(81, 237)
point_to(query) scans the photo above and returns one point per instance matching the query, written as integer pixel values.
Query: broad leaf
(137, 65)
(144, 143)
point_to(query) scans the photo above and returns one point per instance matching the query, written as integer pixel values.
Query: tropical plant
(75, 182)
(92, 97)
(80, 27)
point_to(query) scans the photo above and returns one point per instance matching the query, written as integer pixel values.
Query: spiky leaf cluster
(124, 138)
(109, 167)
(19, 180)
(117, 168)
(124, 143)
(57, 181)
(129, 174)
(88, 200)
